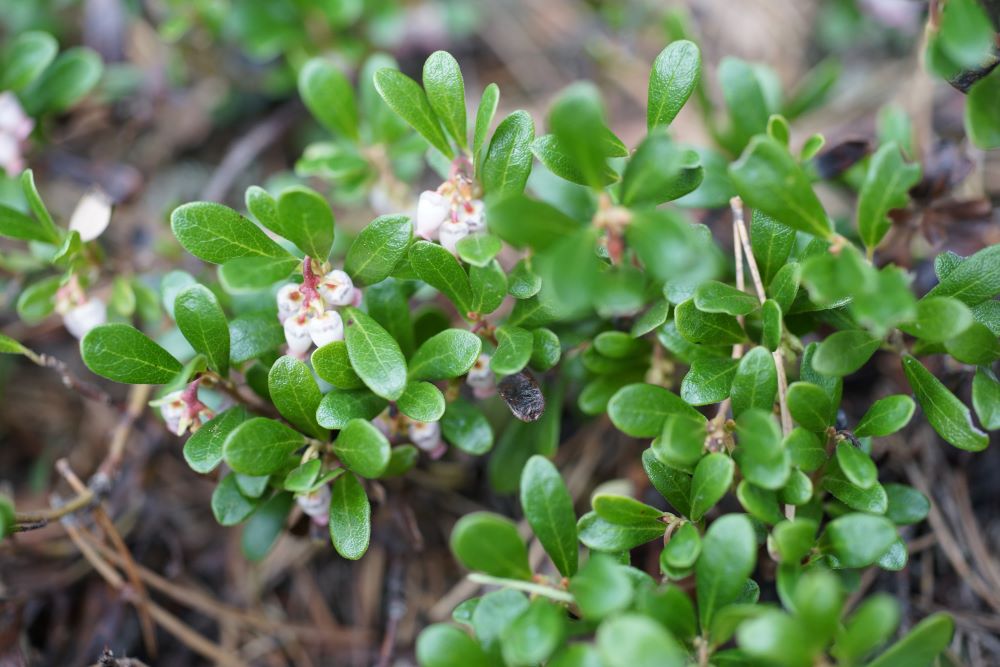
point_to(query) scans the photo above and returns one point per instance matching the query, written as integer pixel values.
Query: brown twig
(137, 399)
(41, 518)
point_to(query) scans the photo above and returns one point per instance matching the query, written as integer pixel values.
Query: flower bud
(10, 155)
(13, 121)
(297, 334)
(451, 233)
(84, 317)
(337, 288)
(326, 328)
(316, 505)
(91, 216)
(290, 301)
(473, 214)
(481, 377)
(425, 435)
(433, 208)
(174, 411)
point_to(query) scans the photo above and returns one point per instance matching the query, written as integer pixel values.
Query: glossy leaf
(122, 353)
(755, 382)
(548, 508)
(489, 543)
(948, 415)
(513, 352)
(886, 416)
(640, 409)
(350, 517)
(409, 101)
(217, 234)
(508, 159)
(260, 446)
(886, 187)
(296, 395)
(374, 354)
(674, 76)
(378, 249)
(712, 478)
(329, 97)
(422, 401)
(203, 323)
(438, 268)
(445, 90)
(728, 557)
(845, 352)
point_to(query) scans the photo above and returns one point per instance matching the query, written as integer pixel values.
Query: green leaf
(545, 349)
(296, 395)
(755, 383)
(976, 345)
(25, 58)
(682, 441)
(507, 163)
(794, 539)
(69, 78)
(683, 549)
(478, 249)
(577, 121)
(422, 401)
(489, 543)
(634, 640)
(728, 557)
(709, 328)
(408, 100)
(484, 118)
(872, 500)
(513, 352)
(339, 407)
(36, 204)
(260, 446)
(445, 90)
(374, 354)
(217, 234)
(254, 334)
(885, 416)
(37, 301)
(639, 410)
(805, 449)
(625, 511)
(845, 352)
(465, 426)
(388, 303)
(858, 540)
(659, 171)
(948, 415)
(674, 76)
(203, 323)
(601, 535)
(652, 319)
(921, 646)
(332, 364)
(601, 588)
(362, 448)
(973, 281)
(709, 380)
(229, 506)
(939, 318)
(535, 635)
(771, 325)
(303, 478)
(810, 406)
(746, 100)
(550, 152)
(715, 297)
(328, 95)
(785, 286)
(771, 242)
(441, 645)
(856, 465)
(350, 517)
(203, 450)
(712, 478)
(509, 218)
(7, 519)
(17, 225)
(124, 354)
(378, 249)
(671, 483)
(886, 187)
(869, 627)
(438, 268)
(906, 504)
(305, 219)
(980, 119)
(445, 355)
(10, 346)
(489, 287)
(986, 398)
(761, 452)
(768, 178)
(548, 508)
(264, 527)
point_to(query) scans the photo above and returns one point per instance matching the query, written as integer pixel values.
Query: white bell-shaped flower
(91, 216)
(13, 120)
(174, 411)
(316, 505)
(297, 334)
(337, 288)
(451, 233)
(326, 328)
(473, 213)
(290, 301)
(425, 435)
(433, 209)
(481, 377)
(84, 317)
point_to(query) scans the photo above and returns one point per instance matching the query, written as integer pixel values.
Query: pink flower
(433, 208)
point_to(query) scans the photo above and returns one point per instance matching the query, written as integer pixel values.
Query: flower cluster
(15, 127)
(182, 410)
(308, 311)
(450, 213)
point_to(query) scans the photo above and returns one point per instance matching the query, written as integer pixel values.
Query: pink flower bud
(316, 505)
(326, 328)
(337, 288)
(297, 334)
(472, 213)
(433, 208)
(451, 233)
(425, 435)
(290, 301)
(10, 155)
(84, 317)
(13, 121)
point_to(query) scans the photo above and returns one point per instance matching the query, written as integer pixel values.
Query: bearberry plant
(563, 271)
